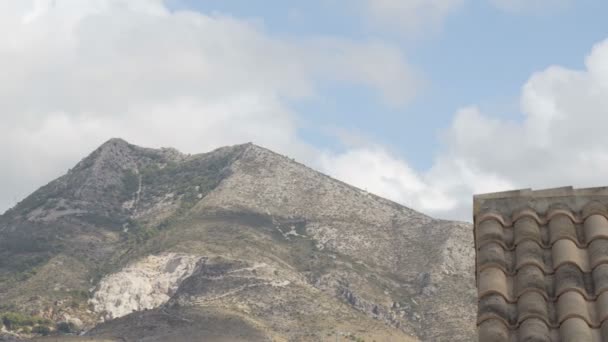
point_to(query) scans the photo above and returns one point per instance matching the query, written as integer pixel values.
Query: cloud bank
(560, 139)
(75, 73)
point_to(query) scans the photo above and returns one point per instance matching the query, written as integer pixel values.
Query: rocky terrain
(238, 244)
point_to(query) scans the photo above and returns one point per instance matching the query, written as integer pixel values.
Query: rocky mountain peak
(241, 232)
(268, 182)
(117, 154)
(115, 143)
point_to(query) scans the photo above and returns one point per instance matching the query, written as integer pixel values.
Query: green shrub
(41, 329)
(42, 321)
(16, 321)
(66, 327)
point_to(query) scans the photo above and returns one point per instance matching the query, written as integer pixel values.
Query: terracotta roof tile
(542, 265)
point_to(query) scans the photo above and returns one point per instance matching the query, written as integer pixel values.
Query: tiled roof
(542, 265)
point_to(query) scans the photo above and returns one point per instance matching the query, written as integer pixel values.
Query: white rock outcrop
(145, 284)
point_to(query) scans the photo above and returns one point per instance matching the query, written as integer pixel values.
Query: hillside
(238, 244)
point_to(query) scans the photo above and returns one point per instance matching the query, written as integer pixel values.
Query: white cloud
(376, 170)
(560, 140)
(74, 73)
(531, 6)
(410, 16)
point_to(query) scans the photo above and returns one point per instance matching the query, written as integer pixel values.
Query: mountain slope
(239, 237)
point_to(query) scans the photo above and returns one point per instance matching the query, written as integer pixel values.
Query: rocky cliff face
(241, 239)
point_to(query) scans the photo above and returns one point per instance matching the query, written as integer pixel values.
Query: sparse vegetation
(103, 220)
(66, 327)
(355, 338)
(190, 180)
(139, 233)
(98, 236)
(131, 184)
(41, 329)
(15, 321)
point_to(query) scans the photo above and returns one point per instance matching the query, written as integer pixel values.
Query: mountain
(238, 244)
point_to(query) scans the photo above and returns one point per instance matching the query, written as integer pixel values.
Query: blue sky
(479, 55)
(425, 102)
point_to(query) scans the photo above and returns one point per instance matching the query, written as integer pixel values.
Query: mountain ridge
(182, 156)
(240, 229)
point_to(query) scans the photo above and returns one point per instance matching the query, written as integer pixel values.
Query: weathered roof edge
(550, 192)
(535, 195)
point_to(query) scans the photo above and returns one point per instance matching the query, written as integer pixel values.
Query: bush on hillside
(41, 329)
(18, 321)
(66, 327)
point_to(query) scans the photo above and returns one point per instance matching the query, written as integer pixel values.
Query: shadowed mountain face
(239, 244)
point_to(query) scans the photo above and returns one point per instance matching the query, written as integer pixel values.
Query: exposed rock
(143, 285)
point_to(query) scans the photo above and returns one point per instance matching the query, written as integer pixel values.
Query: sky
(425, 102)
